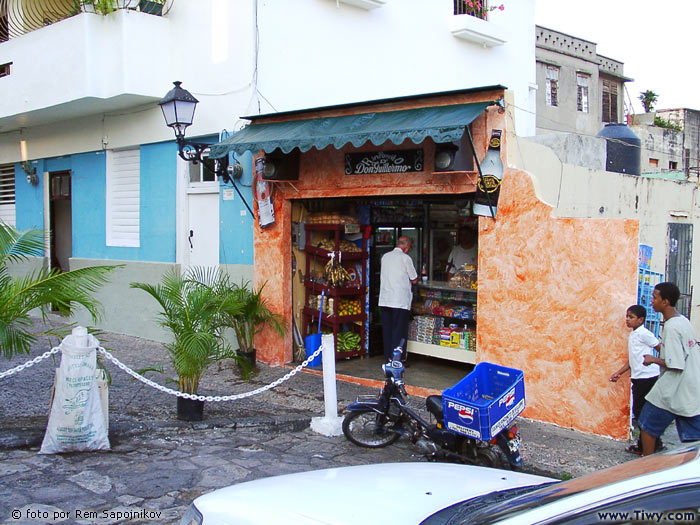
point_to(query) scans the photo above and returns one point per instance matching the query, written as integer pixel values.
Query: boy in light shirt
(641, 342)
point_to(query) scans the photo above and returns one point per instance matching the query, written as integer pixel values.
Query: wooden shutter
(123, 198)
(609, 101)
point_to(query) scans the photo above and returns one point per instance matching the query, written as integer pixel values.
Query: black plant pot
(153, 8)
(247, 359)
(190, 409)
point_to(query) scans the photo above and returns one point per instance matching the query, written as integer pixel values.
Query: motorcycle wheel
(487, 457)
(366, 429)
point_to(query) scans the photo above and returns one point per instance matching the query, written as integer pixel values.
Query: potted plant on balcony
(101, 7)
(153, 7)
(247, 313)
(477, 8)
(191, 311)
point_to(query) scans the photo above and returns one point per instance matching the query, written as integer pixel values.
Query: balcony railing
(461, 7)
(19, 17)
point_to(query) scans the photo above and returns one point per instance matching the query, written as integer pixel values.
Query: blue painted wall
(158, 207)
(235, 221)
(157, 233)
(29, 200)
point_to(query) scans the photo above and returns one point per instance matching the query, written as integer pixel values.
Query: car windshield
(497, 506)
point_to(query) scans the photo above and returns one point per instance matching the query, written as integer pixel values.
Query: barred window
(7, 194)
(582, 92)
(552, 86)
(7, 184)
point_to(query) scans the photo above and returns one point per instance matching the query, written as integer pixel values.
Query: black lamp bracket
(192, 152)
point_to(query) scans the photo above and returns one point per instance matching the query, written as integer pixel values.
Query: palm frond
(40, 289)
(17, 246)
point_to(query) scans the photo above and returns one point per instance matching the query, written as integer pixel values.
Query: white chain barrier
(34, 361)
(162, 388)
(232, 397)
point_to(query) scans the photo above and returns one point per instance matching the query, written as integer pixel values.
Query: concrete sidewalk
(137, 409)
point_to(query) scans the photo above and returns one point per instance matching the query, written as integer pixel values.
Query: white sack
(77, 420)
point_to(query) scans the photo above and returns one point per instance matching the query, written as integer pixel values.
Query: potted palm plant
(247, 313)
(191, 311)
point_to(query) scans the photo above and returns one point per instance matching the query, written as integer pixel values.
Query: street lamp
(178, 110)
(178, 107)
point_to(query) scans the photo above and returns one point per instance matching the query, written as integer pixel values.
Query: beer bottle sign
(489, 184)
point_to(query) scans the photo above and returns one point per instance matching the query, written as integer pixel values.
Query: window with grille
(199, 172)
(7, 194)
(609, 101)
(678, 262)
(582, 92)
(552, 86)
(123, 197)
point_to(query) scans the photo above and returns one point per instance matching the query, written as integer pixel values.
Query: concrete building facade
(578, 90)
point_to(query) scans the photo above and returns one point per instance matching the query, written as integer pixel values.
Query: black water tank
(623, 149)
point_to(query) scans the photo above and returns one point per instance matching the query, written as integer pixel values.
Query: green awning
(441, 123)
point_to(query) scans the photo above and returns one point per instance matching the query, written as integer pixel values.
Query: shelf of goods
(444, 322)
(344, 290)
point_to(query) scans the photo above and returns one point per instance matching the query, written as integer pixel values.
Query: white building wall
(345, 54)
(311, 53)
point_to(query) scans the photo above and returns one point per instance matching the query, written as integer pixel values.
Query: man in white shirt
(395, 296)
(464, 252)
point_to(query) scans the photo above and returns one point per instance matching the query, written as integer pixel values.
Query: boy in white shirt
(641, 342)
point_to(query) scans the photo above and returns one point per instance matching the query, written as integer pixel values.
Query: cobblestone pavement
(158, 464)
(156, 475)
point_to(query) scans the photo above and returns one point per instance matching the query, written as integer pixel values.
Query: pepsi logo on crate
(485, 401)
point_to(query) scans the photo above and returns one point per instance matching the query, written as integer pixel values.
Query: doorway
(60, 220)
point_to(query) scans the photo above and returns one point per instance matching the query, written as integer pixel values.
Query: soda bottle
(489, 184)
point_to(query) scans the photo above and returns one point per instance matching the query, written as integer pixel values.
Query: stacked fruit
(348, 341)
(349, 307)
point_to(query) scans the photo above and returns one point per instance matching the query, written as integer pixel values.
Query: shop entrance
(433, 223)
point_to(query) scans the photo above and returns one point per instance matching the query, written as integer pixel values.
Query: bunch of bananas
(335, 274)
(348, 341)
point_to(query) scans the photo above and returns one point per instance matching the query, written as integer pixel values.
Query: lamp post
(178, 107)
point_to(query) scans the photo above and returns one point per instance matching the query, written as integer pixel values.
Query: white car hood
(384, 493)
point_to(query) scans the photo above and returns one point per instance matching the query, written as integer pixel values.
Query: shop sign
(400, 161)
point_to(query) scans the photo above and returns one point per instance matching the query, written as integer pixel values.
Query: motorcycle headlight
(192, 516)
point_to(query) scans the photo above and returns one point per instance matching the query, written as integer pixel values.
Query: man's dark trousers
(394, 329)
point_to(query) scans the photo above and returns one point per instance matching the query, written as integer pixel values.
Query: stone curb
(31, 434)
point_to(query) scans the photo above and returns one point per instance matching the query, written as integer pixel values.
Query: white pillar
(331, 423)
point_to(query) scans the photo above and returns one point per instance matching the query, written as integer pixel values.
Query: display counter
(444, 322)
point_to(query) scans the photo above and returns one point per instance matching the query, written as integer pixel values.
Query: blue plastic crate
(485, 401)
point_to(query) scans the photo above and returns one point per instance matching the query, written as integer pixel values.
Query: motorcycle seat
(434, 406)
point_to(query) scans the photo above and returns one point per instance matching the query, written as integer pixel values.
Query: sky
(657, 42)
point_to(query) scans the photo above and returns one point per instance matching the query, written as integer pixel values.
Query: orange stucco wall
(552, 299)
(552, 292)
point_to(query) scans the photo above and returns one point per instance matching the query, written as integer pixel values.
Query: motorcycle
(379, 421)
